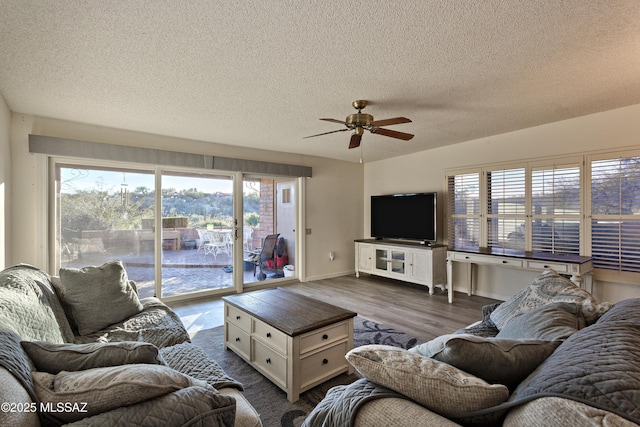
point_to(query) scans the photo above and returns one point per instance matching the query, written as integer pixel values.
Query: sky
(73, 179)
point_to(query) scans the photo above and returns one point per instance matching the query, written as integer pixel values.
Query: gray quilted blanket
(156, 324)
(192, 360)
(599, 366)
(341, 404)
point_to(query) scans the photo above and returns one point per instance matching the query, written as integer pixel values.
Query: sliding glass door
(198, 233)
(270, 224)
(101, 215)
(179, 233)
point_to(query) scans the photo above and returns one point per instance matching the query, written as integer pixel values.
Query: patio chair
(273, 247)
(215, 243)
(202, 239)
(247, 237)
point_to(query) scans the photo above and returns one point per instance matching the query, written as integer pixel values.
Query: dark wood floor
(403, 306)
(400, 305)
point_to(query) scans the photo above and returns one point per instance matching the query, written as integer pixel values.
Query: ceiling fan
(360, 122)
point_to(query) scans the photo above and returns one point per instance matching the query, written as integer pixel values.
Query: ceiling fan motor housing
(358, 120)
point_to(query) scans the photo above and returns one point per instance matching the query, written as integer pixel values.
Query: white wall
(424, 171)
(5, 181)
(333, 195)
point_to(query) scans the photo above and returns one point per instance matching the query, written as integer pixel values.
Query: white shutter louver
(615, 209)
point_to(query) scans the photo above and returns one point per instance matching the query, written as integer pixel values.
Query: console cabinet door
(421, 267)
(365, 257)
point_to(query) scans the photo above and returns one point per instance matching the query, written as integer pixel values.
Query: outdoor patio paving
(183, 271)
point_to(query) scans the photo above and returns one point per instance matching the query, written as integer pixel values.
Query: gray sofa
(81, 349)
(550, 356)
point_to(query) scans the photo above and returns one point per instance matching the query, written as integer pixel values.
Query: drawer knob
(325, 337)
(237, 339)
(466, 257)
(268, 334)
(504, 261)
(545, 266)
(325, 361)
(268, 360)
(237, 317)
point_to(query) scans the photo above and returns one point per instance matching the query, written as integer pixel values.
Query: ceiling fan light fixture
(359, 122)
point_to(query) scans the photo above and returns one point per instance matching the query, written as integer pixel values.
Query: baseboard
(331, 275)
(485, 294)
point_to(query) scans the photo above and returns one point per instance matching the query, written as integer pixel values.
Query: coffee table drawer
(324, 337)
(273, 363)
(317, 367)
(239, 340)
(270, 335)
(238, 317)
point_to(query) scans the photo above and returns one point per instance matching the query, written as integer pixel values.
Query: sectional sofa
(82, 349)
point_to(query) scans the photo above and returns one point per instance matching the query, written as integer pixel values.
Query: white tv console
(408, 261)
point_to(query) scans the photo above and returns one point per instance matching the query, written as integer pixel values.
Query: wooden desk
(576, 266)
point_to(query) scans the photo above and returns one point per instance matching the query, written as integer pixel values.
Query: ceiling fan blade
(334, 121)
(389, 122)
(392, 133)
(325, 133)
(355, 141)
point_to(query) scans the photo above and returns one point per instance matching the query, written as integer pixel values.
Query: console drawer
(542, 265)
(316, 367)
(270, 336)
(270, 361)
(238, 317)
(487, 259)
(324, 337)
(239, 340)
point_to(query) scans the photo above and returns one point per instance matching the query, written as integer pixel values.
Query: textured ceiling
(261, 73)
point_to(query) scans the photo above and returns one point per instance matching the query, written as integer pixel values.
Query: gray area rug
(270, 401)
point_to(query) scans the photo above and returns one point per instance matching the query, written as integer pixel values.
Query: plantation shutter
(615, 209)
(463, 210)
(555, 205)
(506, 208)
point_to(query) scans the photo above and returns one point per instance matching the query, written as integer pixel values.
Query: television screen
(404, 216)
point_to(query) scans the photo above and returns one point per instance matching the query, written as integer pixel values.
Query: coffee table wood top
(287, 311)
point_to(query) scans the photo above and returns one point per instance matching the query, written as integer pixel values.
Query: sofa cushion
(501, 361)
(53, 358)
(98, 296)
(29, 306)
(555, 321)
(438, 386)
(104, 389)
(547, 288)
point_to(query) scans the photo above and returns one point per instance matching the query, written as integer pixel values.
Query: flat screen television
(404, 216)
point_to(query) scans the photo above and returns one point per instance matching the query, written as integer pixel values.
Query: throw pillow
(497, 361)
(627, 311)
(98, 296)
(53, 358)
(438, 386)
(76, 395)
(546, 288)
(555, 321)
